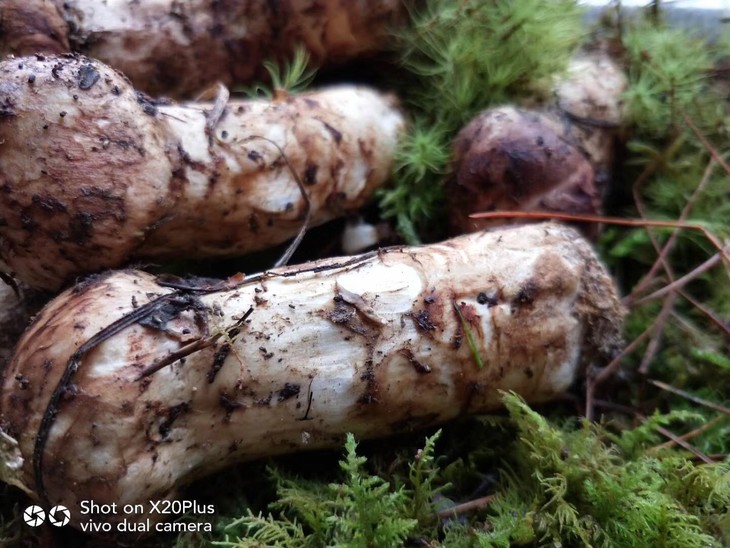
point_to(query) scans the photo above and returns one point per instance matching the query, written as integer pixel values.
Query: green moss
(362, 511)
(416, 196)
(669, 72)
(578, 485)
(472, 54)
(560, 483)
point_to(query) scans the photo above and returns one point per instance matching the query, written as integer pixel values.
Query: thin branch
(284, 259)
(638, 202)
(625, 409)
(685, 445)
(690, 435)
(192, 347)
(714, 318)
(465, 507)
(690, 397)
(681, 282)
(661, 258)
(710, 148)
(658, 329)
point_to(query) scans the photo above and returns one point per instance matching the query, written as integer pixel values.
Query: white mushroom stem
(95, 174)
(185, 382)
(175, 48)
(590, 95)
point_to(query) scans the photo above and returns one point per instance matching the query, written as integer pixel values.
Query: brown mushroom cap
(512, 159)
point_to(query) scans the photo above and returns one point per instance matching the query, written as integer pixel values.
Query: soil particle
(88, 76)
(22, 381)
(172, 414)
(229, 405)
(423, 320)
(290, 390)
(346, 314)
(489, 299)
(7, 108)
(372, 388)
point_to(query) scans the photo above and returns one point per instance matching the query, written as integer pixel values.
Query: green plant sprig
(292, 76)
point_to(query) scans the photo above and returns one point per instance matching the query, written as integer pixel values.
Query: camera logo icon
(59, 515)
(34, 515)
